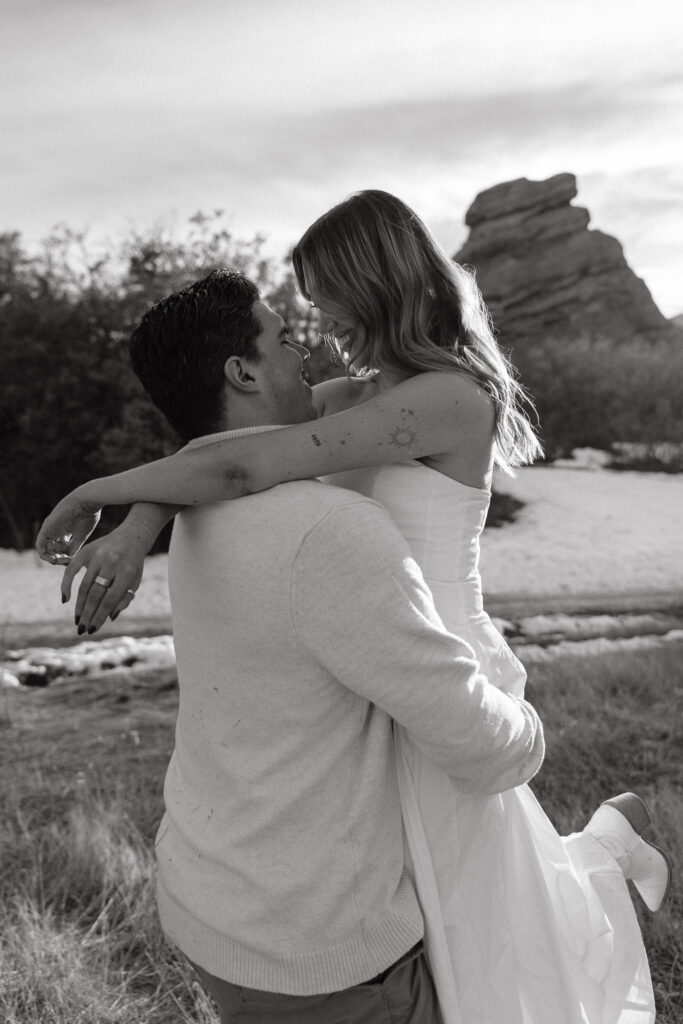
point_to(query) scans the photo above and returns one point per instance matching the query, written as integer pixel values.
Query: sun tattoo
(404, 435)
(402, 438)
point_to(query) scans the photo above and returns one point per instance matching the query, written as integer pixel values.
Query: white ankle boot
(618, 824)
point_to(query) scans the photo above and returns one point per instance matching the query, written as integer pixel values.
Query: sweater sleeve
(362, 608)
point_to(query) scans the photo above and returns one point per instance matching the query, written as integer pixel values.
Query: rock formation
(544, 273)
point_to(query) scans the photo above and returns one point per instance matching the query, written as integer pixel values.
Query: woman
(522, 926)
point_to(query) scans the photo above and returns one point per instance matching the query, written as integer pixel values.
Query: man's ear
(241, 374)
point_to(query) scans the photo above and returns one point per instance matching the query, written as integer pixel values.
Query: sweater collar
(226, 435)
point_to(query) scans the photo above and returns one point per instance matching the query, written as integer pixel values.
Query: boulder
(543, 272)
(522, 195)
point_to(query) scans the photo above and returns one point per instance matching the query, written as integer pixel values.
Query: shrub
(596, 394)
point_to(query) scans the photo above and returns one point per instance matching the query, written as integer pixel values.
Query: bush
(596, 394)
(503, 509)
(70, 406)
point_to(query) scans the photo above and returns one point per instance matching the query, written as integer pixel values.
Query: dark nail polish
(81, 630)
(77, 619)
(63, 598)
(112, 617)
(92, 629)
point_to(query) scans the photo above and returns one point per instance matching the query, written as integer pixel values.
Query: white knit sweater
(302, 626)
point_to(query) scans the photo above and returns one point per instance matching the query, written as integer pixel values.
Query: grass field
(82, 767)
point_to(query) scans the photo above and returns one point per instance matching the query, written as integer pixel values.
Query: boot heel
(619, 824)
(633, 809)
(651, 901)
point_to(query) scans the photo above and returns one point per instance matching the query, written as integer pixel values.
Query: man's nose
(301, 350)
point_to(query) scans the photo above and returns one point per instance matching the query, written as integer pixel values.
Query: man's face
(281, 369)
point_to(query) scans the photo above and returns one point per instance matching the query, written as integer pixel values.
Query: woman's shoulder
(437, 393)
(339, 393)
(452, 394)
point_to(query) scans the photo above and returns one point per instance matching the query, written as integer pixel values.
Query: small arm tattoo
(404, 435)
(316, 440)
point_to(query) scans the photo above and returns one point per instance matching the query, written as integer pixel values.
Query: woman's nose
(326, 323)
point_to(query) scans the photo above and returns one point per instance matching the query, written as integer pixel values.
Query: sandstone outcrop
(544, 273)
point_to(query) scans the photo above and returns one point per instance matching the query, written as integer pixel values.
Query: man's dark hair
(179, 348)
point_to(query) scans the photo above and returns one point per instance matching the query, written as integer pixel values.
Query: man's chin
(308, 401)
(311, 413)
(302, 410)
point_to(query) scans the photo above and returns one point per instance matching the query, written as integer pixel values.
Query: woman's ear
(240, 374)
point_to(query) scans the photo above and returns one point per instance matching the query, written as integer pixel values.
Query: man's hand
(117, 558)
(67, 528)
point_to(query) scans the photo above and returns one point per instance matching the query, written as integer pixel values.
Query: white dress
(522, 925)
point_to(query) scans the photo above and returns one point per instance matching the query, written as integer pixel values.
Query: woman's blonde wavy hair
(415, 308)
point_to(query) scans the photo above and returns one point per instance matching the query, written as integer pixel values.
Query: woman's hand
(119, 559)
(67, 527)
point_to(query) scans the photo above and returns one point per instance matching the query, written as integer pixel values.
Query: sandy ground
(587, 531)
(583, 531)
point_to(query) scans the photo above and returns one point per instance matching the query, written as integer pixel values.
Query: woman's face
(332, 318)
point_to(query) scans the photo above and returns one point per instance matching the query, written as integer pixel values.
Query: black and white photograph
(341, 512)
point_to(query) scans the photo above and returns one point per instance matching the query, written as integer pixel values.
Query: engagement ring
(103, 582)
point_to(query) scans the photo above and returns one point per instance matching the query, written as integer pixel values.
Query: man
(302, 628)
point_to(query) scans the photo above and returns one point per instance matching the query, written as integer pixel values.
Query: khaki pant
(403, 994)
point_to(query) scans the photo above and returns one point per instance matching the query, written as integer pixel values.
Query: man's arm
(361, 606)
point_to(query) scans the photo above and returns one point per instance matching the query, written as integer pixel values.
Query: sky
(120, 113)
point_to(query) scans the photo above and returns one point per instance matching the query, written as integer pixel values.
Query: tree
(71, 407)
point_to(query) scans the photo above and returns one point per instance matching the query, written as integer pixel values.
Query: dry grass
(613, 723)
(83, 764)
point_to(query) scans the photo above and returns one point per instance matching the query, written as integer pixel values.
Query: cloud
(207, 141)
(456, 128)
(643, 208)
(139, 157)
